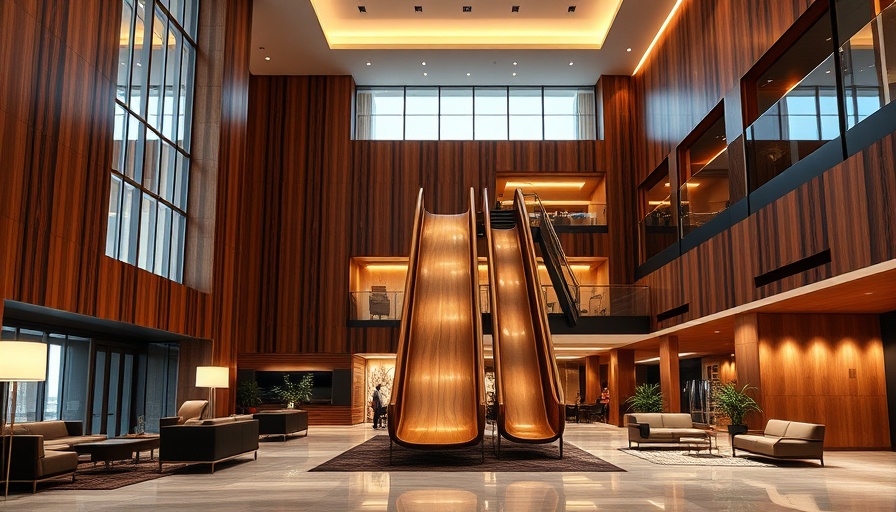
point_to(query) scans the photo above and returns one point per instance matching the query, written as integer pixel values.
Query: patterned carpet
(90, 477)
(373, 455)
(667, 457)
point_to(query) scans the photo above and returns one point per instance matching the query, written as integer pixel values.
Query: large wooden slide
(530, 406)
(438, 395)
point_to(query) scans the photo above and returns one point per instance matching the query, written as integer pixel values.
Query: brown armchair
(379, 301)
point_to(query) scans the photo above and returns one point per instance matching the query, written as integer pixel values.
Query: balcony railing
(614, 300)
(705, 194)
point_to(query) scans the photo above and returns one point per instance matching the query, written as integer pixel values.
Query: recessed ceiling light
(468, 74)
(717, 332)
(261, 47)
(418, 8)
(514, 74)
(267, 58)
(362, 9)
(368, 63)
(514, 63)
(468, 8)
(570, 63)
(515, 8)
(628, 49)
(424, 63)
(424, 74)
(571, 8)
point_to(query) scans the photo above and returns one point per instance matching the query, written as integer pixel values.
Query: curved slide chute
(438, 395)
(530, 401)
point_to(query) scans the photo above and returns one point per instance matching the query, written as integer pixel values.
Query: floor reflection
(442, 500)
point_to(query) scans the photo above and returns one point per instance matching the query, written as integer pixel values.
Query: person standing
(377, 404)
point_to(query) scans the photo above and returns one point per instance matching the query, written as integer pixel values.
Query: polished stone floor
(279, 480)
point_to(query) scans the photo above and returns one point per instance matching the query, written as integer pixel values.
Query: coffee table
(119, 448)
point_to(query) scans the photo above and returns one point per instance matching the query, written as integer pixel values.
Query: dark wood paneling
(703, 53)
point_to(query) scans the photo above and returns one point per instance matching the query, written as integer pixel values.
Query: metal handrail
(552, 244)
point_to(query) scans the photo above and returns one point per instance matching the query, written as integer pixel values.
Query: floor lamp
(20, 361)
(212, 377)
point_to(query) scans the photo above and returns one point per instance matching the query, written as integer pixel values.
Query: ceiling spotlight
(368, 63)
(468, 8)
(514, 63)
(514, 74)
(570, 63)
(418, 8)
(261, 47)
(628, 49)
(572, 8)
(267, 58)
(515, 8)
(424, 74)
(424, 63)
(468, 74)
(362, 9)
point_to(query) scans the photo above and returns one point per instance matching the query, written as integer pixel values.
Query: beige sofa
(58, 435)
(784, 440)
(662, 427)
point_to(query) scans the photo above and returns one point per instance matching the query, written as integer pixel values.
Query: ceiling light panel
(543, 25)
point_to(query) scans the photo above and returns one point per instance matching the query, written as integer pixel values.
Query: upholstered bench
(662, 427)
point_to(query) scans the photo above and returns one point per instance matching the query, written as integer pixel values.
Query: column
(622, 383)
(670, 383)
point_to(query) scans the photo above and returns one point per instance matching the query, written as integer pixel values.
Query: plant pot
(737, 429)
(251, 410)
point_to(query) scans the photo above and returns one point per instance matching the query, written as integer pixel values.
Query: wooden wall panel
(56, 108)
(592, 379)
(826, 369)
(705, 50)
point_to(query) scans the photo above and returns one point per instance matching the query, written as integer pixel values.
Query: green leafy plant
(734, 403)
(647, 398)
(248, 394)
(294, 392)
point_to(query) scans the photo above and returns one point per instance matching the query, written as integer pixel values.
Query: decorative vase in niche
(291, 405)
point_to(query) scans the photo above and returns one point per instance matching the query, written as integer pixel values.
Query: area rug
(90, 477)
(668, 457)
(373, 455)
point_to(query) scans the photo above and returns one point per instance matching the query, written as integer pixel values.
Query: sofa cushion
(226, 419)
(54, 462)
(677, 420)
(654, 419)
(192, 409)
(66, 443)
(776, 428)
(798, 448)
(746, 441)
(48, 429)
(810, 431)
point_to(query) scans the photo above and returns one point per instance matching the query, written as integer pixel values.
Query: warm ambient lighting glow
(212, 377)
(386, 266)
(546, 184)
(657, 36)
(344, 29)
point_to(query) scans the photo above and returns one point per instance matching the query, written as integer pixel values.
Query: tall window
(475, 113)
(153, 119)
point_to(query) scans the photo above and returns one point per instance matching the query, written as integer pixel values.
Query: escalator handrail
(492, 282)
(476, 315)
(555, 248)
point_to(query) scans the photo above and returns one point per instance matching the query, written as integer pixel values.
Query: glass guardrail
(802, 121)
(705, 194)
(594, 300)
(539, 216)
(385, 305)
(657, 230)
(868, 67)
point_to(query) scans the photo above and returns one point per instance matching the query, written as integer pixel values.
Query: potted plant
(734, 404)
(293, 393)
(647, 398)
(248, 396)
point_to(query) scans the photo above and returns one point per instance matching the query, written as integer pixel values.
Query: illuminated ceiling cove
(463, 24)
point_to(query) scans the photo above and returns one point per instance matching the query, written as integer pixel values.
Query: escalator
(530, 406)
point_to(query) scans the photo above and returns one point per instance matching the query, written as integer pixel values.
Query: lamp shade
(23, 361)
(212, 377)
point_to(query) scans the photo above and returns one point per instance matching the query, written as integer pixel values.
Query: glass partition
(705, 194)
(869, 67)
(799, 123)
(658, 229)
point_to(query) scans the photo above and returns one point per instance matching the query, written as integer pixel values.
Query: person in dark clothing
(377, 405)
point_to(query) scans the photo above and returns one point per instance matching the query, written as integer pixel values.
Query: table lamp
(20, 361)
(212, 377)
